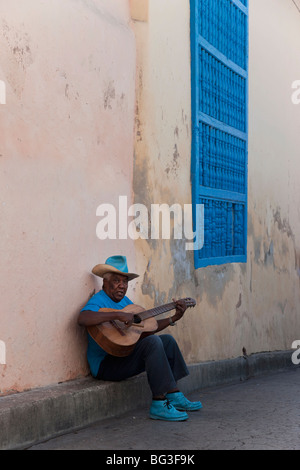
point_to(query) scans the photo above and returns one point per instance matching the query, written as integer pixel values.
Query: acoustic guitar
(118, 339)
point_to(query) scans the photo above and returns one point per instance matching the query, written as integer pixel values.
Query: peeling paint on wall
(254, 306)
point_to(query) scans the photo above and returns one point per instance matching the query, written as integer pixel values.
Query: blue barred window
(219, 72)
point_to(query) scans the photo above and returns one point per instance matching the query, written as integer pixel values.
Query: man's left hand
(180, 309)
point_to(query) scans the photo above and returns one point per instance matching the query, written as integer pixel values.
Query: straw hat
(114, 264)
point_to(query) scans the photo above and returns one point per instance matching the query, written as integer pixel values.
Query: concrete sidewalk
(261, 413)
(31, 417)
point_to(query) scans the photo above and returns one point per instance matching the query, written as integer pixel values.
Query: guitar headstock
(190, 302)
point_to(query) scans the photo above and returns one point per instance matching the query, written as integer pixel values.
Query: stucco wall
(253, 305)
(66, 144)
(78, 75)
(274, 170)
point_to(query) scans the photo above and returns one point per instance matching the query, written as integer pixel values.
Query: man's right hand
(125, 317)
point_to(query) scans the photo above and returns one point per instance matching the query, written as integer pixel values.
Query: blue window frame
(219, 73)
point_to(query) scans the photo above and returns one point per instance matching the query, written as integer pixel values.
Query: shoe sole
(187, 409)
(184, 418)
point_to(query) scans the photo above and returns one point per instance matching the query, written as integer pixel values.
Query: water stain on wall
(16, 43)
(109, 95)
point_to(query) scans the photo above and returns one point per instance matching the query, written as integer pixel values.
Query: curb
(37, 415)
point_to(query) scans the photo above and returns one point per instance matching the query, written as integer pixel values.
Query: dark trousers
(159, 356)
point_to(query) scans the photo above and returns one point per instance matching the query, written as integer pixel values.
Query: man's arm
(180, 309)
(89, 318)
(165, 322)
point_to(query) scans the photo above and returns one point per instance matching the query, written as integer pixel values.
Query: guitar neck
(153, 312)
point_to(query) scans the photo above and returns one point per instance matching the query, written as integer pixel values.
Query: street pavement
(261, 413)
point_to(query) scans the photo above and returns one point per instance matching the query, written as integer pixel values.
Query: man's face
(116, 287)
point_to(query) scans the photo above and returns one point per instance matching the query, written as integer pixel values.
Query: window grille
(219, 70)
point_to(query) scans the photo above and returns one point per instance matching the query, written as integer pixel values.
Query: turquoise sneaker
(162, 409)
(181, 403)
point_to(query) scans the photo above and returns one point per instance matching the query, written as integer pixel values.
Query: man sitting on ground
(158, 355)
